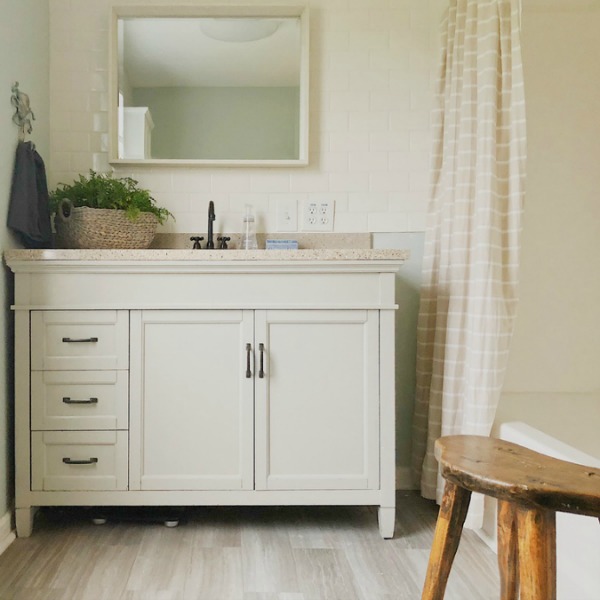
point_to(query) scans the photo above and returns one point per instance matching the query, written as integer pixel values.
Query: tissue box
(281, 245)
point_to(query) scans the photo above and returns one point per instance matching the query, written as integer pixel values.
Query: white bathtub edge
(526, 435)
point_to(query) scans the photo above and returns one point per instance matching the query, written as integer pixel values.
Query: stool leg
(508, 551)
(455, 503)
(537, 553)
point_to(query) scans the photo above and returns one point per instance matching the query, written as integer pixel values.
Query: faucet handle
(223, 240)
(196, 239)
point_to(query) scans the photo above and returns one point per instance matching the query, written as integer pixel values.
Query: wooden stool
(530, 488)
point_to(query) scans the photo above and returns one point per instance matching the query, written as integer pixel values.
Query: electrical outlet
(318, 215)
(287, 214)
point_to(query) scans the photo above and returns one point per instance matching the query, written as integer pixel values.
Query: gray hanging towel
(29, 210)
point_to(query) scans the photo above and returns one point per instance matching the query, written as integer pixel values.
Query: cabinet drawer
(79, 460)
(79, 400)
(81, 339)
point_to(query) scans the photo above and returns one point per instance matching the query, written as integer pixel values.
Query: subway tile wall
(372, 66)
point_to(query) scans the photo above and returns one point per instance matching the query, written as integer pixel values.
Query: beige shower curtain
(469, 290)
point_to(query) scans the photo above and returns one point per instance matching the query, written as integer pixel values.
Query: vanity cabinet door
(191, 401)
(317, 404)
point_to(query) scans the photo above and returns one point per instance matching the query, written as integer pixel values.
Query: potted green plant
(101, 211)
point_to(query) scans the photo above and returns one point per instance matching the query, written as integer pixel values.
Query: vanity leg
(387, 521)
(24, 521)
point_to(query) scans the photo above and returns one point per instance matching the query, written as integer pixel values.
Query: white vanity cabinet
(135, 132)
(186, 378)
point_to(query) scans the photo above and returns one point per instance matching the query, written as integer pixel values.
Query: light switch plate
(287, 214)
(318, 215)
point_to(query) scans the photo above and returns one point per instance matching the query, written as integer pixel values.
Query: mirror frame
(133, 11)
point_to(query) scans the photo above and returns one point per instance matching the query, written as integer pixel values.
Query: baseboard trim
(404, 479)
(7, 534)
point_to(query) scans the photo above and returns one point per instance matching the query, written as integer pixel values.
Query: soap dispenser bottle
(249, 230)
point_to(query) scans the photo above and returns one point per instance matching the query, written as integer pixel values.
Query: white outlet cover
(287, 214)
(318, 215)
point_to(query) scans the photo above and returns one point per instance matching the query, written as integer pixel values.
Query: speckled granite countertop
(352, 254)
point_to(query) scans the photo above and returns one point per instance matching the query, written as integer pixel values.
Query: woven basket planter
(84, 227)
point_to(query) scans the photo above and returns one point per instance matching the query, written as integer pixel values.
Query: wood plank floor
(247, 553)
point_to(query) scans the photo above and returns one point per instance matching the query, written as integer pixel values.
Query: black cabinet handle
(248, 353)
(89, 401)
(79, 341)
(261, 372)
(71, 461)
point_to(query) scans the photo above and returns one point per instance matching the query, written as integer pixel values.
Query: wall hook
(23, 113)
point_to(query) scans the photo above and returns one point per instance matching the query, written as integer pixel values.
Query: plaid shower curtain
(469, 290)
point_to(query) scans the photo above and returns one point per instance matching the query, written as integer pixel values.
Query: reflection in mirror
(222, 88)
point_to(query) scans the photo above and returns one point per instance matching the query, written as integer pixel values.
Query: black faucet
(211, 217)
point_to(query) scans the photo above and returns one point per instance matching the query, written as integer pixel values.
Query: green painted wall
(223, 122)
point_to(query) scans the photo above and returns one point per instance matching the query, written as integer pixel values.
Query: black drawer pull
(79, 341)
(89, 401)
(71, 461)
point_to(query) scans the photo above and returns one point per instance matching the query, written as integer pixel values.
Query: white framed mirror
(209, 85)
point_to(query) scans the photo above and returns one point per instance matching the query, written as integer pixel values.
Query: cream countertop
(354, 254)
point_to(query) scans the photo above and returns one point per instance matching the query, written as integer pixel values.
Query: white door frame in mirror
(123, 12)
